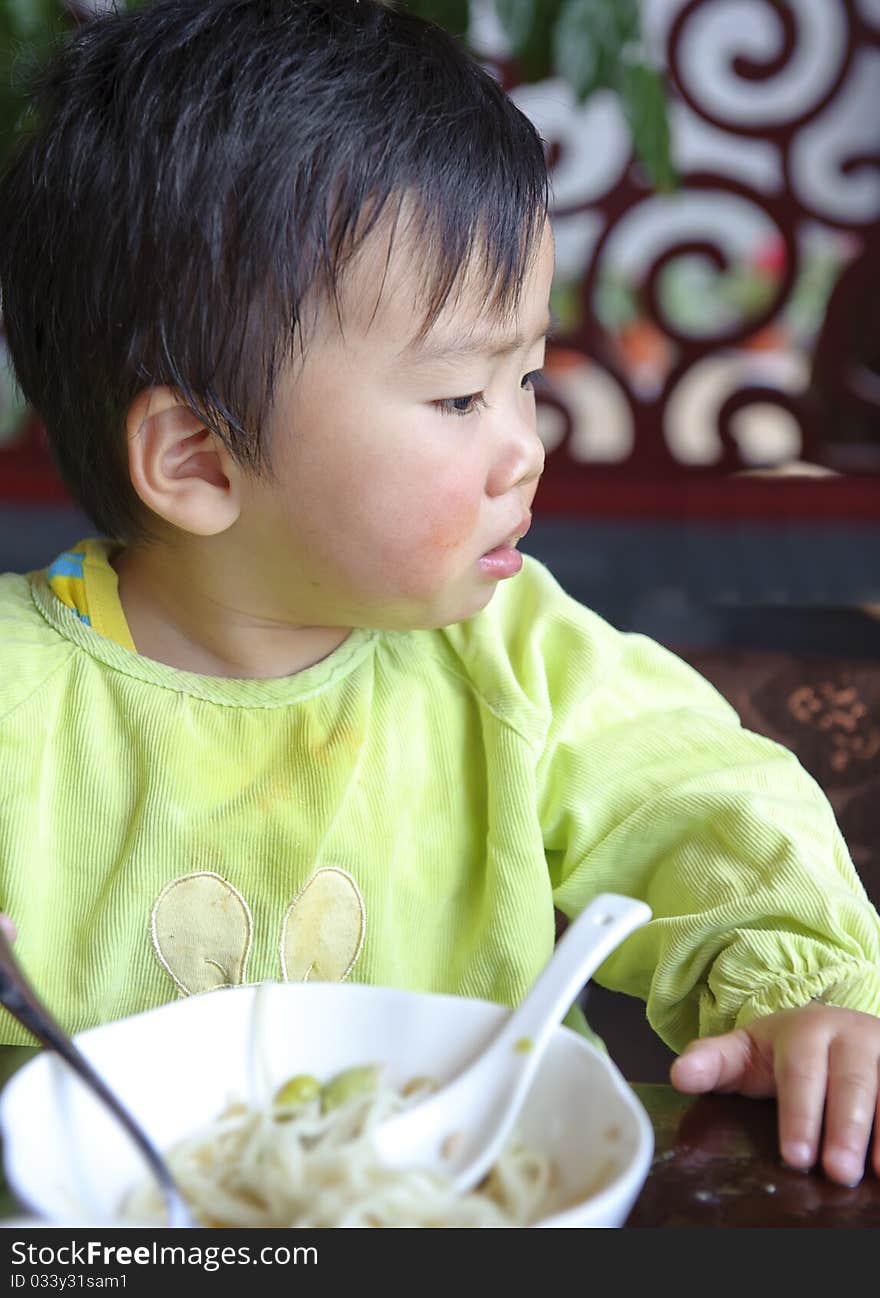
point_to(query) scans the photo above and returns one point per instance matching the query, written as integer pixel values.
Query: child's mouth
(505, 560)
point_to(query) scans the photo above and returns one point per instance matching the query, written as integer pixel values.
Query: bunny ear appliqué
(323, 930)
(202, 929)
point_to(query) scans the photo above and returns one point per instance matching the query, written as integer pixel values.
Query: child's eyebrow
(446, 350)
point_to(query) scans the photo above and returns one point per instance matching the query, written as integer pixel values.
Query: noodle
(259, 1168)
(312, 1164)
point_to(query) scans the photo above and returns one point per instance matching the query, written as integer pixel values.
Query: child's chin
(475, 603)
(447, 608)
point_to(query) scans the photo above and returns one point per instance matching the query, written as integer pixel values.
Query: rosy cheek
(446, 536)
(451, 523)
(429, 542)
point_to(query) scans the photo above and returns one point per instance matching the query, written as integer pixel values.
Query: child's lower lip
(503, 561)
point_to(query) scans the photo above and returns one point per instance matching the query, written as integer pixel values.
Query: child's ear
(180, 468)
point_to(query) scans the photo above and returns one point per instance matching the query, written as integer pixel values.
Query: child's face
(384, 500)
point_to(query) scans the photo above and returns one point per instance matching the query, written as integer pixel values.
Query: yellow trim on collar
(95, 596)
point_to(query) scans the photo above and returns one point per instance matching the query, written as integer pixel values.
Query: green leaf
(454, 15)
(520, 19)
(642, 93)
(30, 18)
(615, 301)
(566, 304)
(589, 41)
(29, 31)
(624, 19)
(577, 49)
(529, 26)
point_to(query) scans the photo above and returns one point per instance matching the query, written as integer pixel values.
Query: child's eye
(461, 405)
(475, 401)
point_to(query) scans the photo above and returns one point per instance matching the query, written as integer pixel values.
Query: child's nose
(520, 457)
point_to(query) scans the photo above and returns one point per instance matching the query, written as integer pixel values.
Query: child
(276, 276)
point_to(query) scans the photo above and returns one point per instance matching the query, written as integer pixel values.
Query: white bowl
(175, 1067)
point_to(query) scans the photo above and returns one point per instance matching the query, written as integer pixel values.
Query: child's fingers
(849, 1111)
(823, 1065)
(801, 1084)
(713, 1064)
(8, 926)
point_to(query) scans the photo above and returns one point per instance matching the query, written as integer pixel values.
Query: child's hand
(819, 1061)
(8, 928)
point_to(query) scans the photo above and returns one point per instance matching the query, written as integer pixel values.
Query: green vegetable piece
(297, 1091)
(524, 1045)
(347, 1085)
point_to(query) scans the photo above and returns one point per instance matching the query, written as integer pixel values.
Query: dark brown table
(715, 1164)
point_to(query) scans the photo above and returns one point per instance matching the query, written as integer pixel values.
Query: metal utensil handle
(23, 1003)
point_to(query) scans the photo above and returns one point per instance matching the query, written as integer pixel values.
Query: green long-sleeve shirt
(407, 812)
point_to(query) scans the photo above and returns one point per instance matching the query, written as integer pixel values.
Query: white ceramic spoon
(459, 1131)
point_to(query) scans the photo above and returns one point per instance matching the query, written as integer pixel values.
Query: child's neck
(192, 616)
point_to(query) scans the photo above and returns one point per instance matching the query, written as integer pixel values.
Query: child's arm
(648, 785)
(821, 1062)
(758, 915)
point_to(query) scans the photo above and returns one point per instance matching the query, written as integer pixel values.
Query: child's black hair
(196, 169)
